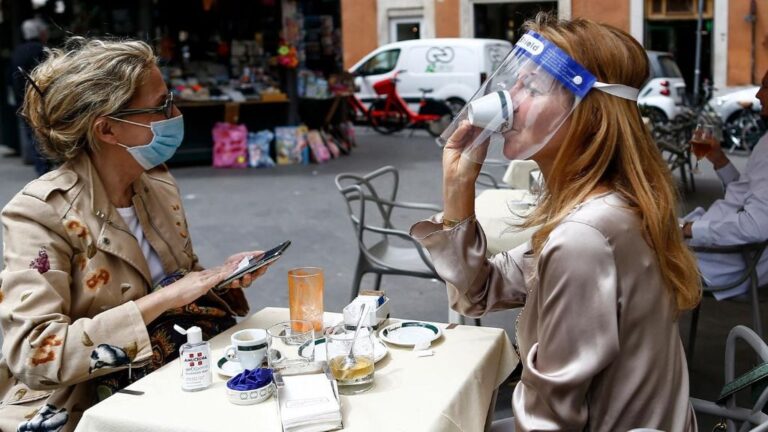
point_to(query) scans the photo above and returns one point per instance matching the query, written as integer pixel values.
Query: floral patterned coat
(72, 271)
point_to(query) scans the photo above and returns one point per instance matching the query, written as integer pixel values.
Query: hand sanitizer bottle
(195, 358)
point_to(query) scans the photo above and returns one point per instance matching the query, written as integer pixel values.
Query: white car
(729, 104)
(663, 94)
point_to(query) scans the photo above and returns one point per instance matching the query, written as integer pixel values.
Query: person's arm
(457, 244)
(722, 165)
(46, 347)
(476, 285)
(577, 330)
(747, 225)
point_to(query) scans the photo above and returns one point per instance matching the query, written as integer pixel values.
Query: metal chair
(751, 253)
(725, 407)
(384, 249)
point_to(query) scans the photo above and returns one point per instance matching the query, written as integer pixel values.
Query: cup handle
(231, 353)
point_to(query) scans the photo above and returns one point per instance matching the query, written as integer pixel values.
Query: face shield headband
(524, 102)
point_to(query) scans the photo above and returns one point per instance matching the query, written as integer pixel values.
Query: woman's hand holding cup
(460, 172)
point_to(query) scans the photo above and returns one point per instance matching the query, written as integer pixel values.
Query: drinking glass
(701, 143)
(355, 377)
(305, 296)
(290, 350)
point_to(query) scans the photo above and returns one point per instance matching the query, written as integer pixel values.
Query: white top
(153, 260)
(741, 216)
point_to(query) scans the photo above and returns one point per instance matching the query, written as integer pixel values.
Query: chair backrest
(726, 407)
(379, 187)
(377, 192)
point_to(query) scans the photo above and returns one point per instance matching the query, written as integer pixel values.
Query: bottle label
(195, 368)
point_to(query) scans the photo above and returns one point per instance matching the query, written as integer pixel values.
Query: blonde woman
(98, 263)
(606, 275)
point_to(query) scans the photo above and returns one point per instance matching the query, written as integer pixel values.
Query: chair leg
(684, 177)
(377, 283)
(359, 273)
(757, 320)
(478, 323)
(692, 333)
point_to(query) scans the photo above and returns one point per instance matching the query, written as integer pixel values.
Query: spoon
(349, 360)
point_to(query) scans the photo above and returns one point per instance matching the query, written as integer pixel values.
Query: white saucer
(379, 350)
(227, 367)
(409, 333)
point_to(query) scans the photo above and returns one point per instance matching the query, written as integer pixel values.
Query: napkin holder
(314, 368)
(375, 317)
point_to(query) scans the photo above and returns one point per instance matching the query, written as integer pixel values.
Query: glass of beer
(701, 143)
(353, 375)
(305, 296)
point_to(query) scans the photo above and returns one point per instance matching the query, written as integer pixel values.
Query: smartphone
(254, 264)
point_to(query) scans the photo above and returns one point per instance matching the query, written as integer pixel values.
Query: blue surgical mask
(168, 135)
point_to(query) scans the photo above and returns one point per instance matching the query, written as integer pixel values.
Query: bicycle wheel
(743, 129)
(435, 128)
(386, 121)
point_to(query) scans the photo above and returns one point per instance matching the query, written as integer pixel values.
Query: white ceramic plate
(379, 350)
(409, 333)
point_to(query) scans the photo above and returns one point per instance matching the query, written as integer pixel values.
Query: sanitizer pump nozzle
(195, 359)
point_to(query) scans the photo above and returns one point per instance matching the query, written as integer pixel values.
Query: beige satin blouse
(598, 336)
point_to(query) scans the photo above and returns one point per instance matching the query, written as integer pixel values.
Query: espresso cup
(493, 111)
(248, 348)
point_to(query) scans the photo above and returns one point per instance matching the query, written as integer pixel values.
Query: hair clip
(31, 81)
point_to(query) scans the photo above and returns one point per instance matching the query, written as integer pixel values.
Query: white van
(452, 68)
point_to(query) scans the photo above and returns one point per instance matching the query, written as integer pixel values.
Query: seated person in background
(98, 263)
(740, 217)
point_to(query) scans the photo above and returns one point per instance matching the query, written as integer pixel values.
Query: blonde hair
(608, 145)
(78, 83)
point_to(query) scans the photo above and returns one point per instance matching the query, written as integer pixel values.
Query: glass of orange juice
(305, 296)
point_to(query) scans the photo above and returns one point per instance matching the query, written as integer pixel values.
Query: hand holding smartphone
(251, 264)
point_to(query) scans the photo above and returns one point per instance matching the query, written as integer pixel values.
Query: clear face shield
(518, 110)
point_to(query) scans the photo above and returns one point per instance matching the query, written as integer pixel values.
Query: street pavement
(236, 210)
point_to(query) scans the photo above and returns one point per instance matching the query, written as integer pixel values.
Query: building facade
(735, 32)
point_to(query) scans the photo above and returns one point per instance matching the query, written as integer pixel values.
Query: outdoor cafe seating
(452, 389)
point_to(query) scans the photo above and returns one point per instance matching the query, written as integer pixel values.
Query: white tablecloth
(499, 212)
(450, 391)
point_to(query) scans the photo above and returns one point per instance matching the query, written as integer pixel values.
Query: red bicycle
(392, 114)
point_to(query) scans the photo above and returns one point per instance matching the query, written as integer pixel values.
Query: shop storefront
(259, 63)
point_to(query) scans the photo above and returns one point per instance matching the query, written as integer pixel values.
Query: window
(404, 28)
(381, 63)
(669, 68)
(676, 9)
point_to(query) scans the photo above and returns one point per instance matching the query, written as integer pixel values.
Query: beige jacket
(72, 271)
(598, 335)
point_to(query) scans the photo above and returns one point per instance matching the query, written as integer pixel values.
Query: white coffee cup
(248, 347)
(493, 111)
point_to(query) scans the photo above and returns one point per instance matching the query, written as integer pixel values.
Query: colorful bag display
(319, 151)
(230, 148)
(258, 149)
(330, 142)
(290, 145)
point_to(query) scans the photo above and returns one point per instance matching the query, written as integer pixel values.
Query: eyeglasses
(166, 109)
